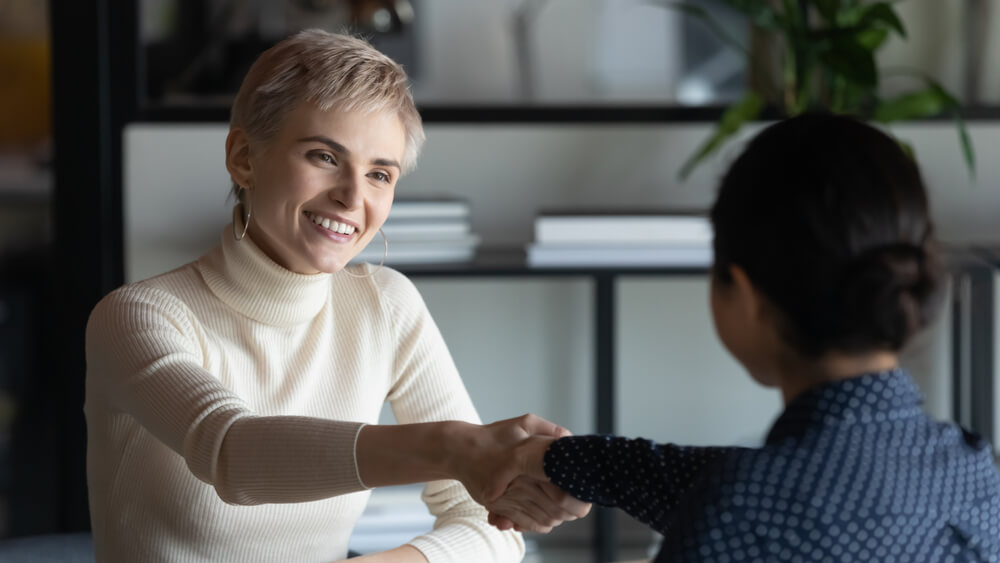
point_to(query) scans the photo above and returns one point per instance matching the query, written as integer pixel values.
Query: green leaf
(848, 58)
(701, 14)
(881, 14)
(926, 103)
(967, 150)
(949, 102)
(872, 39)
(732, 120)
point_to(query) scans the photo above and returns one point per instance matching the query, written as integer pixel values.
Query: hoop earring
(385, 253)
(246, 222)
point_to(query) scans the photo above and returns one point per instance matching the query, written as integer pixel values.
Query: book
(428, 208)
(622, 255)
(405, 230)
(616, 227)
(431, 251)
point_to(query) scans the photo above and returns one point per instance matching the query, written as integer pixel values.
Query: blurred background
(112, 122)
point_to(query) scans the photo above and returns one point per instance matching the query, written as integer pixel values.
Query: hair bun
(887, 292)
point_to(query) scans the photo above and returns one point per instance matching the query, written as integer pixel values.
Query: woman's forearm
(481, 457)
(402, 454)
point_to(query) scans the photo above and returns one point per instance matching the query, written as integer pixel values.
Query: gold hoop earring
(246, 222)
(385, 253)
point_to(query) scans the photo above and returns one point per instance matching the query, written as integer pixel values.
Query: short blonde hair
(332, 71)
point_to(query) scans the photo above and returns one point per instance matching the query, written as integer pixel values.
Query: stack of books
(622, 238)
(424, 231)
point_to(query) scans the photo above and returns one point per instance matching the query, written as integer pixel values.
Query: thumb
(536, 425)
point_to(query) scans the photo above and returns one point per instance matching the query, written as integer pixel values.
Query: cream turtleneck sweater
(224, 399)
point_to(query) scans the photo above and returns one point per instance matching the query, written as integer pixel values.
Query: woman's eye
(380, 176)
(325, 157)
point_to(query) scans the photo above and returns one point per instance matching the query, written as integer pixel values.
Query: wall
(175, 204)
(508, 172)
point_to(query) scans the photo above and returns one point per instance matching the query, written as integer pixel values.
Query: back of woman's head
(829, 219)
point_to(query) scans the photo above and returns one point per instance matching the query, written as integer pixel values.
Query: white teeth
(335, 226)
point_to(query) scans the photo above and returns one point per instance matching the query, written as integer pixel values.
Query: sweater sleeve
(645, 479)
(427, 387)
(144, 359)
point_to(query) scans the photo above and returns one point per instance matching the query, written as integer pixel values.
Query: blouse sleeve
(645, 479)
(144, 359)
(427, 387)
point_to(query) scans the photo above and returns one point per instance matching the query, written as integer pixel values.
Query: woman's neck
(799, 374)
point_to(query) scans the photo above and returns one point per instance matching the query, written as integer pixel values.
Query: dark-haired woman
(825, 266)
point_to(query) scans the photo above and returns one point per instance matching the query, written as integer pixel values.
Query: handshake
(502, 466)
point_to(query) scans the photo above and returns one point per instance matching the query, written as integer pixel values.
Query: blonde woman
(232, 403)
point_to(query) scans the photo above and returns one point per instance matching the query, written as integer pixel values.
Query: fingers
(502, 523)
(536, 506)
(525, 515)
(567, 502)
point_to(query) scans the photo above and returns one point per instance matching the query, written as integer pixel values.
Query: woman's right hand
(485, 458)
(505, 457)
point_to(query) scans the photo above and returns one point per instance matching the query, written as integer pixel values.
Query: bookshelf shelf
(502, 262)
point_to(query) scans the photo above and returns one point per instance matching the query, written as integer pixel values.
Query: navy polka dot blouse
(851, 471)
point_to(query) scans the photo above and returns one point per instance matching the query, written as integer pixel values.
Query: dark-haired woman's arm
(645, 479)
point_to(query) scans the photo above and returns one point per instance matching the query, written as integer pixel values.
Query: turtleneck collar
(243, 277)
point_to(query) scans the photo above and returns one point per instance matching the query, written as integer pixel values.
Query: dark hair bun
(887, 294)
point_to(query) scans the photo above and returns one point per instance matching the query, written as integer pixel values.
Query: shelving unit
(510, 263)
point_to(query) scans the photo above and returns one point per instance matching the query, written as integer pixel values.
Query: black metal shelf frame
(510, 265)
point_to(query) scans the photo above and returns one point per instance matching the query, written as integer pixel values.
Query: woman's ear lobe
(238, 157)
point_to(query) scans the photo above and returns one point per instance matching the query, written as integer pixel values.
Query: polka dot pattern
(851, 471)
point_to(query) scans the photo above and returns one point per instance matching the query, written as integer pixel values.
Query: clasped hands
(502, 468)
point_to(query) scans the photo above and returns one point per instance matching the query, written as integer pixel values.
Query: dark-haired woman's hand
(487, 459)
(534, 505)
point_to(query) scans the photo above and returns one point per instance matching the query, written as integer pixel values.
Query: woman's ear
(749, 300)
(238, 157)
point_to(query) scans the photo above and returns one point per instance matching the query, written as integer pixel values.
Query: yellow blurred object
(25, 91)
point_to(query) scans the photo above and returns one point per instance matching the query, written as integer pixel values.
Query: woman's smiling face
(321, 188)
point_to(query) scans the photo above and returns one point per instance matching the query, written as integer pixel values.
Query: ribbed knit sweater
(223, 403)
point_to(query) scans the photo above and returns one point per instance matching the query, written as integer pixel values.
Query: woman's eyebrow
(334, 145)
(337, 147)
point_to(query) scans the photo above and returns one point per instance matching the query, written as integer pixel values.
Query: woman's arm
(645, 479)
(144, 359)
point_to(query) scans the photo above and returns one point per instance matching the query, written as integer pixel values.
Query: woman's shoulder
(160, 293)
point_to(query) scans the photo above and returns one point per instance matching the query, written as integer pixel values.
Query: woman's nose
(347, 192)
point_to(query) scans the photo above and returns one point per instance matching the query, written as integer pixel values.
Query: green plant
(824, 60)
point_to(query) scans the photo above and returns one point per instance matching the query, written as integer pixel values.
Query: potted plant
(820, 55)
